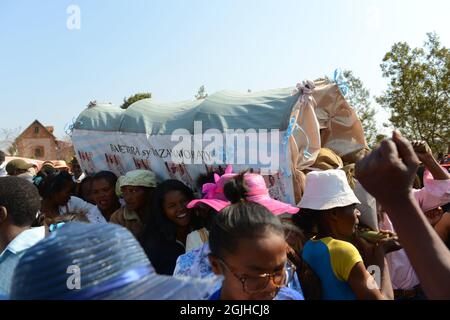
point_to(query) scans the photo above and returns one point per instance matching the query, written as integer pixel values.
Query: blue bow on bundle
(339, 79)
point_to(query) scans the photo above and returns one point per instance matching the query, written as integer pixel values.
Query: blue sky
(172, 47)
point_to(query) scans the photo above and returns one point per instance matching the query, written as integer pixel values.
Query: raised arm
(425, 155)
(388, 174)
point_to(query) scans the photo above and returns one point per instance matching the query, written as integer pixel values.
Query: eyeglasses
(257, 284)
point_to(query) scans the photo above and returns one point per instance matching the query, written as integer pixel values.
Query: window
(36, 130)
(39, 152)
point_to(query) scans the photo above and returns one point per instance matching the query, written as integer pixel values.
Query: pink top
(435, 193)
(400, 269)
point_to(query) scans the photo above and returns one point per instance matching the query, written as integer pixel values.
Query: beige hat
(48, 163)
(326, 159)
(136, 178)
(60, 164)
(326, 190)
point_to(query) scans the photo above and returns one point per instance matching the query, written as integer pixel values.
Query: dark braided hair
(48, 184)
(108, 176)
(159, 225)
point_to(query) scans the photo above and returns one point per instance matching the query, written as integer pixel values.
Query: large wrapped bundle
(275, 133)
(341, 130)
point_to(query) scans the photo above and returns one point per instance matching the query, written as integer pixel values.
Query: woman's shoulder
(343, 252)
(336, 244)
(76, 200)
(76, 203)
(196, 238)
(72, 203)
(335, 247)
(117, 216)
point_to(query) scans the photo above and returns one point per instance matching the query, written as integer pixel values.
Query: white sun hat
(326, 190)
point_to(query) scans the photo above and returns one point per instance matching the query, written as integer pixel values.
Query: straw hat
(60, 164)
(326, 159)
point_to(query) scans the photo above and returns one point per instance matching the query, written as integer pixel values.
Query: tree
(201, 93)
(418, 93)
(134, 98)
(8, 140)
(358, 97)
(379, 138)
(13, 149)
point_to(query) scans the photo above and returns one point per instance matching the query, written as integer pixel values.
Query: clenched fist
(422, 149)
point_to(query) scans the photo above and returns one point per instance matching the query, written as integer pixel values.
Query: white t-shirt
(77, 205)
(194, 239)
(80, 178)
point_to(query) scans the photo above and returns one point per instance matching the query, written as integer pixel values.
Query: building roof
(41, 125)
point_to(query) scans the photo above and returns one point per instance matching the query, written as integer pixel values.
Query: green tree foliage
(8, 140)
(359, 98)
(418, 93)
(134, 98)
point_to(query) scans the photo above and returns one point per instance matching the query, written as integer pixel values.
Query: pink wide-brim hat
(259, 193)
(213, 192)
(216, 204)
(215, 197)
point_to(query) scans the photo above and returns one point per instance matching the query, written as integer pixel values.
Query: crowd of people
(64, 235)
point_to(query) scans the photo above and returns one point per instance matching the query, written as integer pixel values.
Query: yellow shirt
(332, 260)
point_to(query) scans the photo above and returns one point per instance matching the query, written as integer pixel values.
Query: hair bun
(235, 190)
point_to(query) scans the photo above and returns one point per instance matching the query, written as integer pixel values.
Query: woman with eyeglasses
(249, 250)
